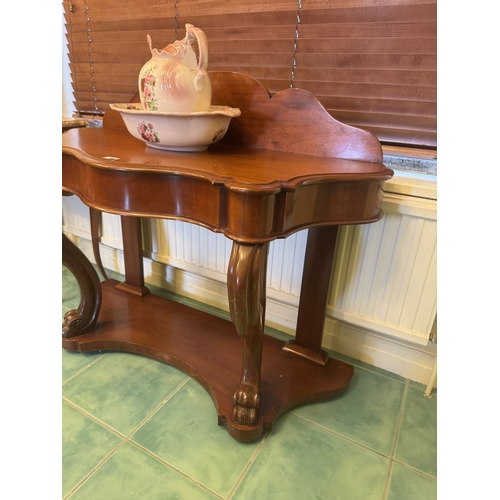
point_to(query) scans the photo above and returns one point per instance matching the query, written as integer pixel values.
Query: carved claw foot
(247, 305)
(246, 401)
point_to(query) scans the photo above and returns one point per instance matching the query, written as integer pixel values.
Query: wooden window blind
(372, 63)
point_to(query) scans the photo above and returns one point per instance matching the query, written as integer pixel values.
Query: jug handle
(193, 32)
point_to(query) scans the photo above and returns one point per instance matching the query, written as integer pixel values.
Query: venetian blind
(372, 63)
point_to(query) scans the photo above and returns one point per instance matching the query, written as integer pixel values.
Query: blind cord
(294, 62)
(91, 62)
(176, 14)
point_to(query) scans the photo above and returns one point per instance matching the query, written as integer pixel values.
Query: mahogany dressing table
(284, 165)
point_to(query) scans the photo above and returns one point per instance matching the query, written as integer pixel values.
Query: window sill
(410, 160)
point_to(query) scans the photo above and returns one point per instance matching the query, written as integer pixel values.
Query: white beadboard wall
(382, 303)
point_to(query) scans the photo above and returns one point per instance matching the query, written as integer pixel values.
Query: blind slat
(371, 75)
(366, 46)
(394, 29)
(379, 91)
(418, 123)
(370, 105)
(369, 61)
(391, 12)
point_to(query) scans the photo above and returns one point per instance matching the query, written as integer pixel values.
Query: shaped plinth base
(208, 349)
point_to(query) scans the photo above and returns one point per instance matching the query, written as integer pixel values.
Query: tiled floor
(135, 428)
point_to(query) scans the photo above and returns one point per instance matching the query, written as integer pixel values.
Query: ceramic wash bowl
(177, 131)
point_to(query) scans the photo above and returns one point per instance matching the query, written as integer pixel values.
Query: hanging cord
(69, 21)
(176, 14)
(294, 62)
(89, 45)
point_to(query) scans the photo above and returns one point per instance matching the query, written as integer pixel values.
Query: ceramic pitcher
(174, 80)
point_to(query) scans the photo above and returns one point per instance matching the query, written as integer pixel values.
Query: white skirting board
(406, 359)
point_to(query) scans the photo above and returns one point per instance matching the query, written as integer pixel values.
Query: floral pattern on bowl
(147, 132)
(219, 134)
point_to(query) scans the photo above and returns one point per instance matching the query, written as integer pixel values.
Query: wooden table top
(241, 168)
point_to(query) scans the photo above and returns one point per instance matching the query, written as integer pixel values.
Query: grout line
(158, 458)
(95, 419)
(387, 481)
(83, 369)
(130, 439)
(157, 409)
(173, 467)
(96, 468)
(339, 435)
(247, 468)
(422, 473)
(400, 419)
(114, 431)
(396, 437)
(127, 439)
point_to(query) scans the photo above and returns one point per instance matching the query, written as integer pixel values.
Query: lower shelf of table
(208, 349)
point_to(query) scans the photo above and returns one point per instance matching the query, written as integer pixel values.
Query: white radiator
(386, 276)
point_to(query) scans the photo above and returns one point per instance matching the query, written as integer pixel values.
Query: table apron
(244, 216)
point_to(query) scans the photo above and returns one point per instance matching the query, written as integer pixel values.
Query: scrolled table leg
(247, 304)
(82, 319)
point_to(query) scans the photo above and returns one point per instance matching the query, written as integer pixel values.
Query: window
(372, 63)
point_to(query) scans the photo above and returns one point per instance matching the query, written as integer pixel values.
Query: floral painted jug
(173, 80)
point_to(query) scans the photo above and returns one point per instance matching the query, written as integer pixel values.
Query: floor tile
(367, 412)
(122, 388)
(301, 461)
(73, 362)
(84, 444)
(406, 484)
(184, 432)
(417, 441)
(131, 474)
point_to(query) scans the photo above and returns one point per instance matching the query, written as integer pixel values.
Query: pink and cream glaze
(174, 79)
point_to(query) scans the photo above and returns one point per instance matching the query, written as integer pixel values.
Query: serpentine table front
(284, 165)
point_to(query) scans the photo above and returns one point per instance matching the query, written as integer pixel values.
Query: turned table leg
(82, 319)
(247, 304)
(314, 294)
